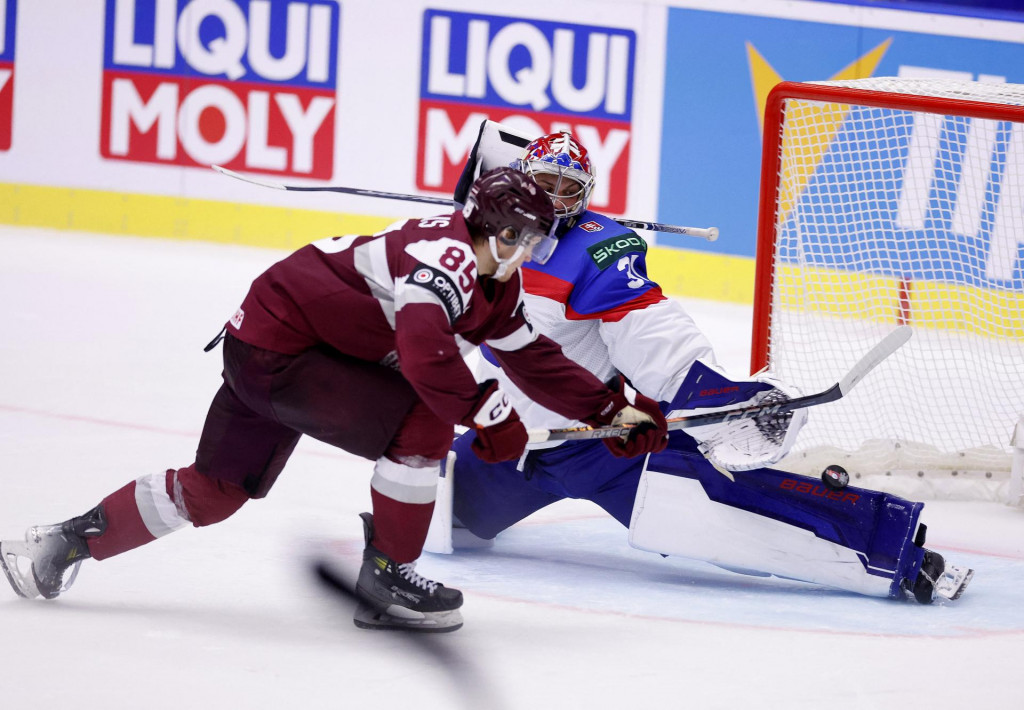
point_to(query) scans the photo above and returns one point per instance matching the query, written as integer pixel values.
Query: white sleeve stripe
(158, 511)
(519, 339)
(415, 294)
(333, 245)
(371, 260)
(465, 347)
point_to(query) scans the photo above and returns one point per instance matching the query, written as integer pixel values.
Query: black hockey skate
(936, 578)
(394, 596)
(38, 566)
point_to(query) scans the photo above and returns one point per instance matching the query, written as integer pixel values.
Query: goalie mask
(561, 166)
(507, 206)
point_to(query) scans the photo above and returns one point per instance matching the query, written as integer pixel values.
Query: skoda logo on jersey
(605, 253)
(249, 84)
(539, 75)
(8, 19)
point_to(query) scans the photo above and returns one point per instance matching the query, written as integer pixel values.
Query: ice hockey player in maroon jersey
(358, 341)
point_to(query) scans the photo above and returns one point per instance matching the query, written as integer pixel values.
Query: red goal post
(888, 201)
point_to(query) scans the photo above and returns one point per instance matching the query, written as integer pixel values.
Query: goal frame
(769, 226)
(771, 163)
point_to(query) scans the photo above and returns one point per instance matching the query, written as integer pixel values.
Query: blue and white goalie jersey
(594, 298)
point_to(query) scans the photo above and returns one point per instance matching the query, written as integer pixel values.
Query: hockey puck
(835, 477)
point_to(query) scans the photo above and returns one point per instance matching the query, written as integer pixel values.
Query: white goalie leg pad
(672, 515)
(439, 535)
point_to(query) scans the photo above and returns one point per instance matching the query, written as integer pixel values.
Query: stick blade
(885, 347)
(238, 176)
(340, 582)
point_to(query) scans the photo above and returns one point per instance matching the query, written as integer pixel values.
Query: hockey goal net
(888, 201)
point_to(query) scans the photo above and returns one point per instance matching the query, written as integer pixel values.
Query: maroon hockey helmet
(508, 206)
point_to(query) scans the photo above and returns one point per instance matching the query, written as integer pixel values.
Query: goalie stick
(708, 233)
(885, 347)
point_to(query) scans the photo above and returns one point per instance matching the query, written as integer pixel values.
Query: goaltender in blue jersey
(711, 495)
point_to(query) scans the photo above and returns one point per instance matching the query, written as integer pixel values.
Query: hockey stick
(886, 347)
(709, 233)
(343, 190)
(463, 669)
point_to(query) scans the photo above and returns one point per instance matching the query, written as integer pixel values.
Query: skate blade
(953, 582)
(13, 555)
(439, 622)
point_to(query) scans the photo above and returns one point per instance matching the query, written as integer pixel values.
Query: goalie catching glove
(742, 443)
(500, 435)
(627, 406)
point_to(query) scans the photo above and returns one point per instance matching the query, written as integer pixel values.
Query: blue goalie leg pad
(489, 498)
(878, 527)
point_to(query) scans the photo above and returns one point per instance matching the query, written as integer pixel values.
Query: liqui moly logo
(532, 75)
(8, 16)
(249, 84)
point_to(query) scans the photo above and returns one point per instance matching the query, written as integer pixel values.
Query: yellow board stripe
(679, 272)
(175, 217)
(694, 274)
(926, 304)
(963, 309)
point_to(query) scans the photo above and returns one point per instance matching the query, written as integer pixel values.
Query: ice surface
(103, 379)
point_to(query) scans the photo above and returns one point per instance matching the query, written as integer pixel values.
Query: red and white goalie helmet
(561, 166)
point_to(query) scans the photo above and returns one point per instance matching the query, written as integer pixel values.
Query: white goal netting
(901, 205)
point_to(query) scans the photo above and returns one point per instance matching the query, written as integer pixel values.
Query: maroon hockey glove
(627, 406)
(500, 436)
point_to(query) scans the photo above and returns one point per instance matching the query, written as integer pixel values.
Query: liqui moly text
(533, 75)
(249, 84)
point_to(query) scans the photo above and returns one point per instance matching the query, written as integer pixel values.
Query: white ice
(103, 379)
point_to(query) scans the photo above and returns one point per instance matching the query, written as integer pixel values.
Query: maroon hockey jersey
(410, 297)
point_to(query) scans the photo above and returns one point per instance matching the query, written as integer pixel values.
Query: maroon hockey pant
(268, 400)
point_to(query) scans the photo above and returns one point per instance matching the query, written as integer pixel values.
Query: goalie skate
(939, 579)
